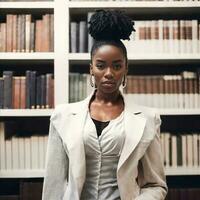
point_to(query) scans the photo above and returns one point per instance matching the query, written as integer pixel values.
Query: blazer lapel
(134, 127)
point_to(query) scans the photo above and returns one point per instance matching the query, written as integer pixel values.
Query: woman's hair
(108, 27)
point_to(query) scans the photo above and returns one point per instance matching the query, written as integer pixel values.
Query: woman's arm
(151, 176)
(56, 174)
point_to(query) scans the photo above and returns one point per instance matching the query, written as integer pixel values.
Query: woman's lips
(108, 83)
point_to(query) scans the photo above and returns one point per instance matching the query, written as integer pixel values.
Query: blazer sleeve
(56, 174)
(151, 176)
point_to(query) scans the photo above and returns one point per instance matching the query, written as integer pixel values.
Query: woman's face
(108, 67)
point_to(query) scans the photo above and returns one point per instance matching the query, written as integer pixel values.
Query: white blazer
(140, 172)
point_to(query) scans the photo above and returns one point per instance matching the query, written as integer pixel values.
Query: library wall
(44, 61)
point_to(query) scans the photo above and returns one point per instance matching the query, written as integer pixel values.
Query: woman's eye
(117, 66)
(99, 66)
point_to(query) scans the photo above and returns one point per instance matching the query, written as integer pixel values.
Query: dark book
(179, 151)
(20, 127)
(74, 30)
(83, 35)
(7, 77)
(9, 197)
(170, 151)
(52, 93)
(1, 92)
(33, 89)
(30, 190)
(38, 92)
(43, 91)
(198, 80)
(28, 89)
(184, 194)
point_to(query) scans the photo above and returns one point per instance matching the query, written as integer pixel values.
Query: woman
(104, 147)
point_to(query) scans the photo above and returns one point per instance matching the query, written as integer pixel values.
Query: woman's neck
(112, 98)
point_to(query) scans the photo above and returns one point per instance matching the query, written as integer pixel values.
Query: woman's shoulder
(64, 109)
(153, 120)
(143, 111)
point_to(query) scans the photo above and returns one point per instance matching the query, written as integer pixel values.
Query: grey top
(102, 156)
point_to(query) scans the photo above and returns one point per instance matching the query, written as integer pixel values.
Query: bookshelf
(25, 112)
(143, 11)
(24, 5)
(63, 60)
(27, 56)
(178, 171)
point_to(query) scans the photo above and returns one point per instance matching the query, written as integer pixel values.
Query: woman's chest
(109, 143)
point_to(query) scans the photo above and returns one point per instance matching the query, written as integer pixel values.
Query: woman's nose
(108, 73)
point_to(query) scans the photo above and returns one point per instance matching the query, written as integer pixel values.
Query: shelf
(27, 56)
(40, 173)
(137, 7)
(179, 111)
(174, 171)
(25, 112)
(26, 5)
(22, 173)
(132, 4)
(142, 58)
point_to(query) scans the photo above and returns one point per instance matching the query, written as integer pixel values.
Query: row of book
(30, 190)
(184, 83)
(166, 91)
(165, 36)
(22, 152)
(162, 91)
(155, 36)
(28, 152)
(181, 149)
(22, 189)
(23, 33)
(29, 91)
(79, 86)
(183, 194)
